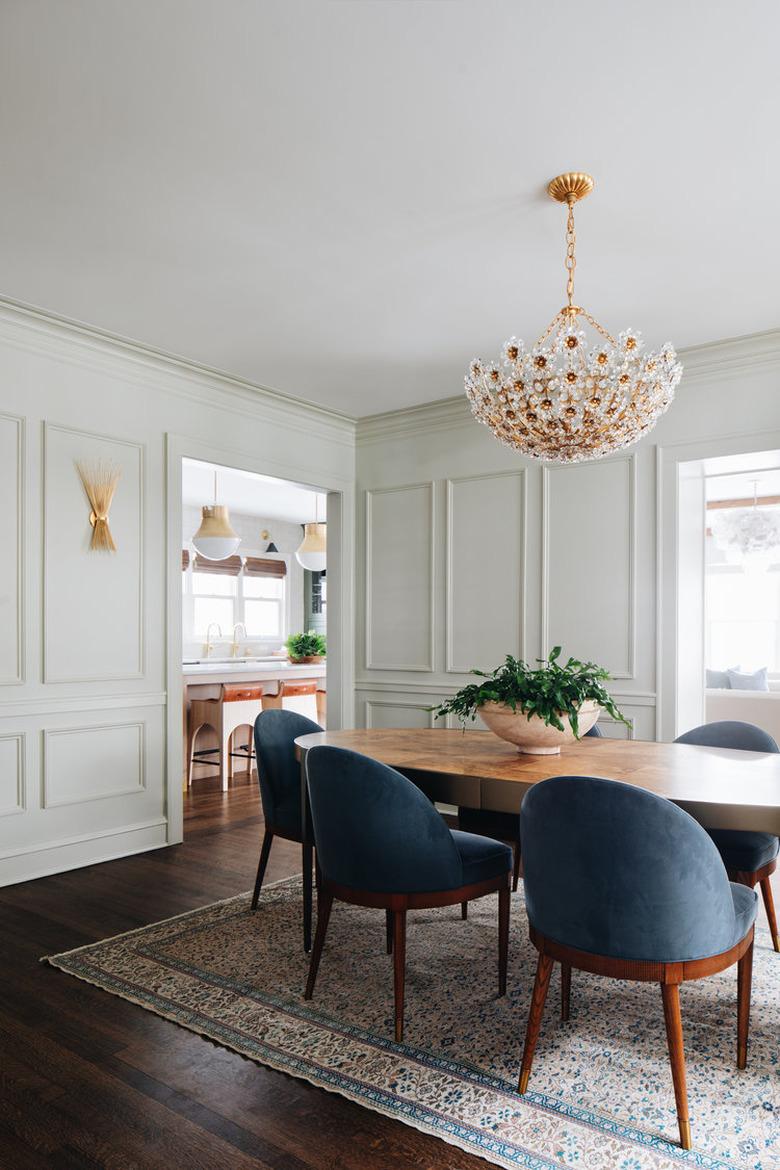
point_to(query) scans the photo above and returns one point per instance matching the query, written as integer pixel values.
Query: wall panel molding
(13, 752)
(427, 512)
(627, 670)
(70, 704)
(50, 674)
(15, 514)
(398, 704)
(93, 775)
(491, 609)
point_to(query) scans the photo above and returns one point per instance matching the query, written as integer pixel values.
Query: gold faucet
(207, 647)
(235, 645)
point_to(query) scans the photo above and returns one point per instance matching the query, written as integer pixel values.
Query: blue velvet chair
(279, 774)
(503, 826)
(750, 858)
(380, 842)
(620, 882)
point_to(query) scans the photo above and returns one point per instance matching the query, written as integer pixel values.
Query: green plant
(549, 691)
(306, 645)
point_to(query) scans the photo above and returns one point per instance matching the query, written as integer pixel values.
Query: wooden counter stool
(294, 695)
(236, 706)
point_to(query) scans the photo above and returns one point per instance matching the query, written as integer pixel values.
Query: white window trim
(188, 604)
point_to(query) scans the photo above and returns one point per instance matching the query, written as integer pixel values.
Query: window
(263, 606)
(214, 599)
(252, 591)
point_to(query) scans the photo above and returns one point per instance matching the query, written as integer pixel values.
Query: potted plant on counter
(309, 647)
(538, 709)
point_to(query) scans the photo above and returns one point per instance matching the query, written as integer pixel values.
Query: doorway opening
(254, 618)
(728, 644)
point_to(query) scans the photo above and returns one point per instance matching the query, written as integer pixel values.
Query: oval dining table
(721, 788)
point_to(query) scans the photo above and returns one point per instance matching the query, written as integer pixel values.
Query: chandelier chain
(571, 259)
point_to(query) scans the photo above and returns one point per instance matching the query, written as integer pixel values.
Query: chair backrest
(278, 770)
(375, 830)
(595, 732)
(731, 733)
(618, 871)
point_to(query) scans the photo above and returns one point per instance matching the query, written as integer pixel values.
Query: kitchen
(254, 614)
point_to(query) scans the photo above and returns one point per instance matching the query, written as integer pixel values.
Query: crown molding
(37, 330)
(701, 362)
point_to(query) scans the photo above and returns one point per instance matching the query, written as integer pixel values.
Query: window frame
(190, 635)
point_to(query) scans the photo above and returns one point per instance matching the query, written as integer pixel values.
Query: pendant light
(568, 397)
(311, 553)
(215, 539)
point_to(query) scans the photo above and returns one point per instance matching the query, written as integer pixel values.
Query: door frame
(341, 560)
(668, 458)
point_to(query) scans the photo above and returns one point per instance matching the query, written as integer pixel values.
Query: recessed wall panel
(89, 763)
(588, 604)
(93, 624)
(12, 794)
(485, 570)
(385, 713)
(399, 578)
(11, 529)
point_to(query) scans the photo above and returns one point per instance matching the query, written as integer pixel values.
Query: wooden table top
(721, 787)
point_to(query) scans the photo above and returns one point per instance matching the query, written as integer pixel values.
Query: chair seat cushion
(745, 906)
(482, 857)
(504, 826)
(745, 851)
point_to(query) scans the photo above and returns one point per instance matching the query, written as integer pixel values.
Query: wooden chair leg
(265, 851)
(674, 1040)
(565, 990)
(307, 851)
(389, 931)
(516, 870)
(399, 970)
(464, 910)
(503, 937)
(324, 905)
(538, 996)
(769, 906)
(744, 982)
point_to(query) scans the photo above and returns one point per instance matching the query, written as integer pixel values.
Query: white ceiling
(345, 200)
(250, 494)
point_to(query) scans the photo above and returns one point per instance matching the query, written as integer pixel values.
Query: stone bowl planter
(534, 736)
(307, 660)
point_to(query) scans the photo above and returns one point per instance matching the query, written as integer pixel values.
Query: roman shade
(230, 567)
(264, 567)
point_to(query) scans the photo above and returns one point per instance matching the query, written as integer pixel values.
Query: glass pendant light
(568, 398)
(215, 539)
(311, 553)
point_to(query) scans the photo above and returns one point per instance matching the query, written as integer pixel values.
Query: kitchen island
(203, 680)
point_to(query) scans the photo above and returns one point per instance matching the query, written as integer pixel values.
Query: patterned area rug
(601, 1091)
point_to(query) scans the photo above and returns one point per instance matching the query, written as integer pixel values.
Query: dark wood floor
(91, 1081)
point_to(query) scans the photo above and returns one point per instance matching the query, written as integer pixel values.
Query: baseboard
(60, 856)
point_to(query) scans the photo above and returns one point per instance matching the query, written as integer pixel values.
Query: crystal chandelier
(565, 399)
(751, 532)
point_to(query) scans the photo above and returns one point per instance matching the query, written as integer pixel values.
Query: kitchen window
(251, 591)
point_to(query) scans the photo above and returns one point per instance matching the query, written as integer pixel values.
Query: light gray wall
(85, 725)
(467, 552)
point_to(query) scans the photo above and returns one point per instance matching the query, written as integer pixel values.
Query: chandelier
(750, 532)
(566, 399)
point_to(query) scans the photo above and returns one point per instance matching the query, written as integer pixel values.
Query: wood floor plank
(92, 1082)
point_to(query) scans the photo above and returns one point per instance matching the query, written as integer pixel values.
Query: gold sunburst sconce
(570, 397)
(99, 479)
